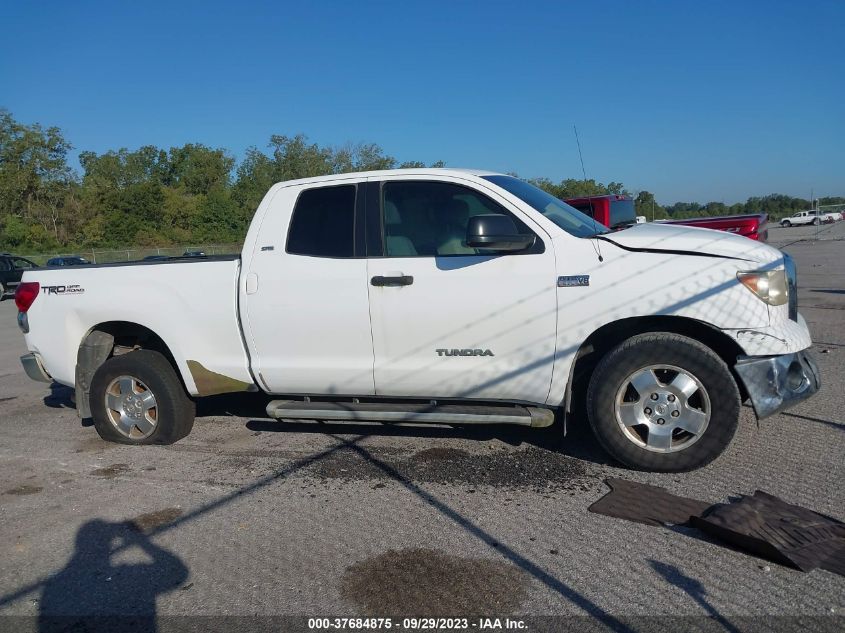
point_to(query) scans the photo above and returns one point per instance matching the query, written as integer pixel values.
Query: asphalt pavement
(253, 517)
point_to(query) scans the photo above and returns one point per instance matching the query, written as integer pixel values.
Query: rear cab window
(323, 223)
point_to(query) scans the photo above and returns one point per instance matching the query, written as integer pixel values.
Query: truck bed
(190, 303)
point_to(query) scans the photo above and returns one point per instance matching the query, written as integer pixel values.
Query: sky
(693, 101)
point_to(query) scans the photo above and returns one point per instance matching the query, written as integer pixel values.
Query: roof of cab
(429, 171)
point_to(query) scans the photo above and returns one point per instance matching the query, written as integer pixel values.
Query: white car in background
(810, 217)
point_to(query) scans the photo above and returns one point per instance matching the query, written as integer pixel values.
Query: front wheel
(137, 398)
(815, 221)
(663, 402)
(786, 224)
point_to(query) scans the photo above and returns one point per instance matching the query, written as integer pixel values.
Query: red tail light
(26, 294)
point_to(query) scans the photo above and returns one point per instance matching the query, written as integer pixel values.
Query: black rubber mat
(646, 504)
(779, 531)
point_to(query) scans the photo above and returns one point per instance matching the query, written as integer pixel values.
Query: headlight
(768, 285)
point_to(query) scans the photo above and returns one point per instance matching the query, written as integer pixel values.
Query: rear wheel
(663, 402)
(137, 398)
(815, 221)
(786, 223)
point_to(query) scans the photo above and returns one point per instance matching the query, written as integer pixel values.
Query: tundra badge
(464, 352)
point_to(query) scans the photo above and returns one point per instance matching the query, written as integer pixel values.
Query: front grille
(792, 285)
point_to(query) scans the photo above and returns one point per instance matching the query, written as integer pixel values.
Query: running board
(418, 413)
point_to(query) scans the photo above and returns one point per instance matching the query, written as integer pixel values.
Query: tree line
(194, 193)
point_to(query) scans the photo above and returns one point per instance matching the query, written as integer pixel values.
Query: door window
(323, 223)
(429, 219)
(21, 263)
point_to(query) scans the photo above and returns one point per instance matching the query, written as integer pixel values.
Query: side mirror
(496, 232)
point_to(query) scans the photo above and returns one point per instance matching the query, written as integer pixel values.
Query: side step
(418, 413)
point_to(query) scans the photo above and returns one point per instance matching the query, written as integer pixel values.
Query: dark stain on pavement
(532, 467)
(110, 472)
(438, 454)
(8, 398)
(418, 581)
(148, 522)
(24, 490)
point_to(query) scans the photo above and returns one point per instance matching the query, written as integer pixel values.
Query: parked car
(11, 269)
(194, 254)
(427, 296)
(617, 211)
(72, 260)
(810, 217)
(802, 217)
(156, 258)
(613, 211)
(754, 226)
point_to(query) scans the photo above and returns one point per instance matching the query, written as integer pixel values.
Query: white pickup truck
(809, 217)
(441, 296)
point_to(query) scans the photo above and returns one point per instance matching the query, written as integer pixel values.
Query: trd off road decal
(74, 289)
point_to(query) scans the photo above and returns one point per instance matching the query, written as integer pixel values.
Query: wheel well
(128, 336)
(110, 339)
(604, 339)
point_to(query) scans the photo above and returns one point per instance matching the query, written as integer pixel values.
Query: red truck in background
(616, 211)
(754, 225)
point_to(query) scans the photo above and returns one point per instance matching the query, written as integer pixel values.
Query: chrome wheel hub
(131, 407)
(662, 408)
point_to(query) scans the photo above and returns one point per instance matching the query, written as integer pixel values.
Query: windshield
(566, 217)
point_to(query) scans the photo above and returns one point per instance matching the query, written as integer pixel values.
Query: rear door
(305, 292)
(449, 321)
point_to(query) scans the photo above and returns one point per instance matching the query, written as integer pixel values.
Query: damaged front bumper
(775, 383)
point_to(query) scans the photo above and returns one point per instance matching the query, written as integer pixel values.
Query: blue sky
(694, 101)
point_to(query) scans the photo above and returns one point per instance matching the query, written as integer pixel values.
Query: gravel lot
(253, 517)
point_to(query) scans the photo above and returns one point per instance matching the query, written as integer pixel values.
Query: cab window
(323, 223)
(429, 219)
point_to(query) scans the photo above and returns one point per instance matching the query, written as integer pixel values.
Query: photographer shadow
(94, 592)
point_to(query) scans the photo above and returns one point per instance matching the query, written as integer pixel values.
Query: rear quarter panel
(191, 305)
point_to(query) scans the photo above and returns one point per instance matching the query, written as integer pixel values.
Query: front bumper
(34, 369)
(775, 383)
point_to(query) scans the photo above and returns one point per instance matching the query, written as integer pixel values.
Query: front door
(450, 321)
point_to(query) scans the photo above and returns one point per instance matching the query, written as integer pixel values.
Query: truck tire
(663, 402)
(786, 224)
(815, 221)
(137, 398)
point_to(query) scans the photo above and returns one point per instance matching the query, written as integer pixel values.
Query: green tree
(646, 205)
(35, 178)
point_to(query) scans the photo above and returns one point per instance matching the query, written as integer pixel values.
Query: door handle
(392, 280)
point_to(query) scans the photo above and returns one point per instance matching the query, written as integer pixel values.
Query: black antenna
(596, 245)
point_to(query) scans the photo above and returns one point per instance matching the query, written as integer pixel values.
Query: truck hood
(690, 240)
